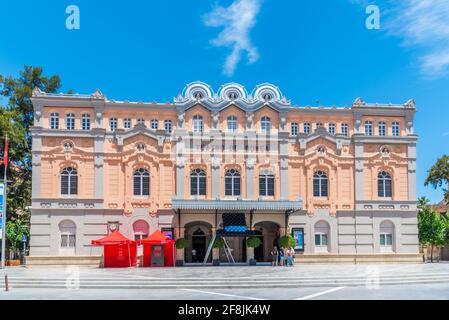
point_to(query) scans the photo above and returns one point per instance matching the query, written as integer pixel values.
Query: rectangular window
(145, 185)
(70, 121)
(113, 124)
(294, 129)
(317, 239)
(168, 126)
(154, 124)
(85, 122)
(368, 128)
(307, 128)
(332, 128)
(382, 129)
(345, 129)
(54, 121)
(396, 129)
(127, 123)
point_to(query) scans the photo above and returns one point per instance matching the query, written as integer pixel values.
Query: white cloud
(237, 20)
(423, 25)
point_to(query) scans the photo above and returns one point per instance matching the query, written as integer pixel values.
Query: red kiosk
(158, 250)
(119, 251)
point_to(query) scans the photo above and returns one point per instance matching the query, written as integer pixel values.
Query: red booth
(119, 251)
(158, 250)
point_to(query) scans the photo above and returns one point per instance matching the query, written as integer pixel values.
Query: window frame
(113, 124)
(266, 184)
(345, 129)
(382, 128)
(198, 182)
(294, 129)
(231, 124)
(127, 123)
(396, 129)
(143, 178)
(69, 182)
(265, 125)
(368, 128)
(86, 123)
(332, 129)
(198, 124)
(384, 190)
(54, 120)
(320, 184)
(233, 179)
(70, 121)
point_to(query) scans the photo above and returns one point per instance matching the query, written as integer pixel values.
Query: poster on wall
(169, 232)
(298, 235)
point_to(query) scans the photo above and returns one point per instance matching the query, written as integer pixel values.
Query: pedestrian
(292, 251)
(274, 256)
(194, 255)
(289, 258)
(281, 257)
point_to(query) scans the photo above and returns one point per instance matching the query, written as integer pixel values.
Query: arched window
(320, 184)
(154, 124)
(85, 121)
(294, 129)
(141, 230)
(67, 236)
(232, 183)
(384, 185)
(368, 128)
(69, 182)
(232, 124)
(382, 128)
(198, 182)
(141, 182)
(396, 128)
(266, 184)
(265, 124)
(54, 120)
(70, 121)
(198, 124)
(386, 237)
(321, 236)
(113, 124)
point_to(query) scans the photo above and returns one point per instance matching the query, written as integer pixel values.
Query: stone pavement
(430, 281)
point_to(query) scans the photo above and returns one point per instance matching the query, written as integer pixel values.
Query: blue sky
(314, 50)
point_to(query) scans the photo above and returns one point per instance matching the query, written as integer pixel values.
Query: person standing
(281, 257)
(292, 251)
(274, 256)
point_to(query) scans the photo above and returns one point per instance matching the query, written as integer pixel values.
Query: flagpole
(4, 206)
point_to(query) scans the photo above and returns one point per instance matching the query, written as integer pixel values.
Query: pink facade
(181, 165)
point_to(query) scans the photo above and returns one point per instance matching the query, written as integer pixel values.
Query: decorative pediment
(320, 133)
(140, 129)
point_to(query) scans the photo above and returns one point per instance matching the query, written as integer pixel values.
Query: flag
(5, 153)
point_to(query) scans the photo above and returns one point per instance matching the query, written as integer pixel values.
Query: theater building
(340, 179)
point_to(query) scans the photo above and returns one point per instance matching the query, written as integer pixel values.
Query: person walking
(274, 256)
(289, 258)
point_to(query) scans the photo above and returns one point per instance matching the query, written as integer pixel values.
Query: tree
(438, 176)
(16, 118)
(432, 227)
(287, 241)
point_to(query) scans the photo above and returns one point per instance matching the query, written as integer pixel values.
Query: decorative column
(216, 185)
(284, 167)
(98, 163)
(37, 165)
(358, 171)
(411, 171)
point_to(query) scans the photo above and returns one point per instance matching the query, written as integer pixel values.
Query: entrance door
(198, 246)
(258, 252)
(157, 255)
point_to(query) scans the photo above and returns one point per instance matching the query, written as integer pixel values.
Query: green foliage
(438, 176)
(287, 241)
(15, 230)
(253, 242)
(433, 227)
(16, 118)
(219, 243)
(182, 243)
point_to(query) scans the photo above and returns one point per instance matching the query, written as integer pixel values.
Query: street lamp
(24, 241)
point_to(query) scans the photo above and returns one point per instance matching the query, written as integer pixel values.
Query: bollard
(6, 283)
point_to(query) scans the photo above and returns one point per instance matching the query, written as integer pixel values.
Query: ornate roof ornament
(37, 92)
(98, 95)
(411, 104)
(359, 102)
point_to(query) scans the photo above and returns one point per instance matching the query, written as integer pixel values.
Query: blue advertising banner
(298, 235)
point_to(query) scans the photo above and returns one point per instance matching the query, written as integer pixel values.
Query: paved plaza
(303, 282)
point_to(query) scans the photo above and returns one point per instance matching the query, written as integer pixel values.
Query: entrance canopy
(241, 205)
(158, 250)
(119, 251)
(157, 238)
(114, 238)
